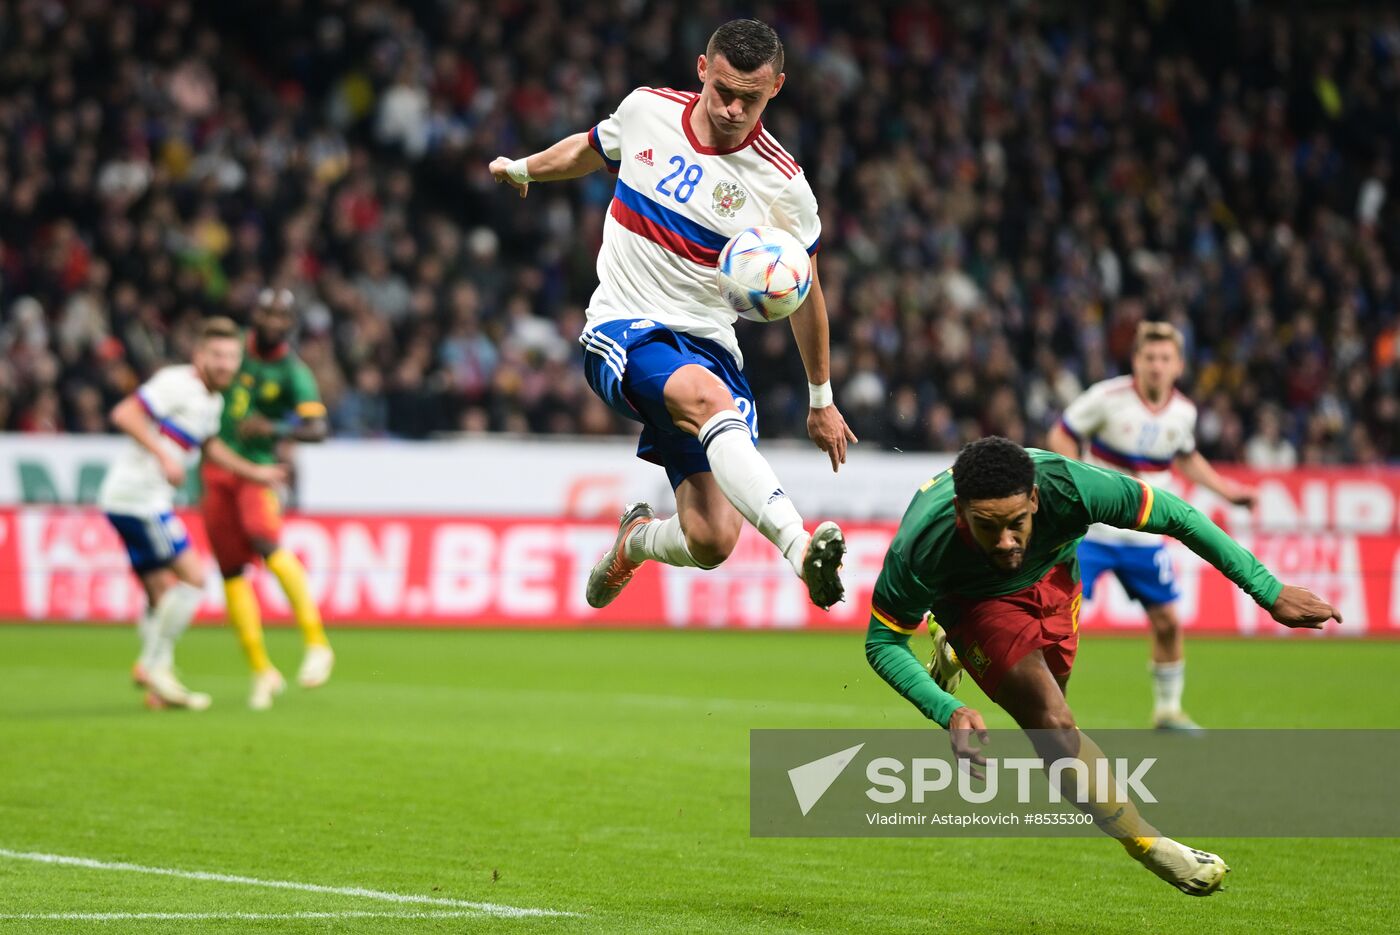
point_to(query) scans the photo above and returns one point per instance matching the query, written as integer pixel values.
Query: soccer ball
(764, 274)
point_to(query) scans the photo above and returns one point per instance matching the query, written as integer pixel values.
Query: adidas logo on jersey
(645, 157)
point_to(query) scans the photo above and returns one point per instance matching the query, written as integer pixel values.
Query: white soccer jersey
(186, 412)
(677, 203)
(1122, 432)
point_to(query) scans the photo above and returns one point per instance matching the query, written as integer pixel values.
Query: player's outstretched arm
(1128, 503)
(1198, 470)
(225, 457)
(570, 158)
(130, 417)
(825, 424)
(1300, 608)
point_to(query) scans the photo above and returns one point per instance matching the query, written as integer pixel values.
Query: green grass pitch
(603, 774)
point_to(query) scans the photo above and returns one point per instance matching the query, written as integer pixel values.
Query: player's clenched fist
(1300, 608)
(500, 171)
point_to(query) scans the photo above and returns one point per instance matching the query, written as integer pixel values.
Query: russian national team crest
(729, 198)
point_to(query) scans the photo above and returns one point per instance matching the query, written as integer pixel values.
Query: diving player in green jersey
(989, 548)
(272, 398)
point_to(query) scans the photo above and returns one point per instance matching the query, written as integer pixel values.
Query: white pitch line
(494, 909)
(231, 916)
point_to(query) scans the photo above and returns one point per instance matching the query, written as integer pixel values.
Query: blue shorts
(628, 362)
(151, 541)
(1145, 571)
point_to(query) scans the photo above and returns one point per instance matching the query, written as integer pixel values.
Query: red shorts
(992, 634)
(237, 511)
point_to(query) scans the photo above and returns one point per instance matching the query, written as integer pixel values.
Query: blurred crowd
(1004, 195)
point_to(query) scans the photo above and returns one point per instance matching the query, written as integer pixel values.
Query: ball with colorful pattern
(764, 274)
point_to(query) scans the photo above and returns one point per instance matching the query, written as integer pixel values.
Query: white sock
(173, 613)
(750, 484)
(661, 541)
(149, 632)
(1168, 683)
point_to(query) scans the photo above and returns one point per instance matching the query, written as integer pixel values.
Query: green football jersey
(933, 559)
(279, 388)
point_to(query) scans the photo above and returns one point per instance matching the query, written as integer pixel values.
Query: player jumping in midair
(694, 169)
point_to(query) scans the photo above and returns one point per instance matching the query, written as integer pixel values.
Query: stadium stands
(1004, 197)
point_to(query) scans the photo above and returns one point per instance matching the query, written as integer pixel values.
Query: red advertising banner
(1337, 532)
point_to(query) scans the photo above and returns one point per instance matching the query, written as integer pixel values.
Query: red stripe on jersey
(666, 239)
(783, 154)
(758, 147)
(684, 94)
(777, 164)
(673, 97)
(777, 153)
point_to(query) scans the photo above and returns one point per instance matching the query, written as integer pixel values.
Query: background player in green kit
(272, 398)
(989, 548)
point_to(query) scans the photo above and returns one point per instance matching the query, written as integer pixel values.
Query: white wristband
(518, 173)
(819, 395)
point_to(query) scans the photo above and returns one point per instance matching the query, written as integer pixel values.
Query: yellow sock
(246, 618)
(289, 571)
(1117, 815)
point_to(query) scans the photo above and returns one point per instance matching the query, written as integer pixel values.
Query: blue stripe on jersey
(1124, 459)
(665, 217)
(167, 427)
(182, 438)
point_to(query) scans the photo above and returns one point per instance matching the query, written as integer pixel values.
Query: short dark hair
(748, 45)
(992, 468)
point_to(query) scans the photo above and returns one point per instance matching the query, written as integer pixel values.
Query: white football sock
(149, 631)
(662, 541)
(1168, 683)
(174, 611)
(750, 484)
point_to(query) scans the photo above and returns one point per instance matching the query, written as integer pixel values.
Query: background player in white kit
(1142, 425)
(172, 416)
(659, 347)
